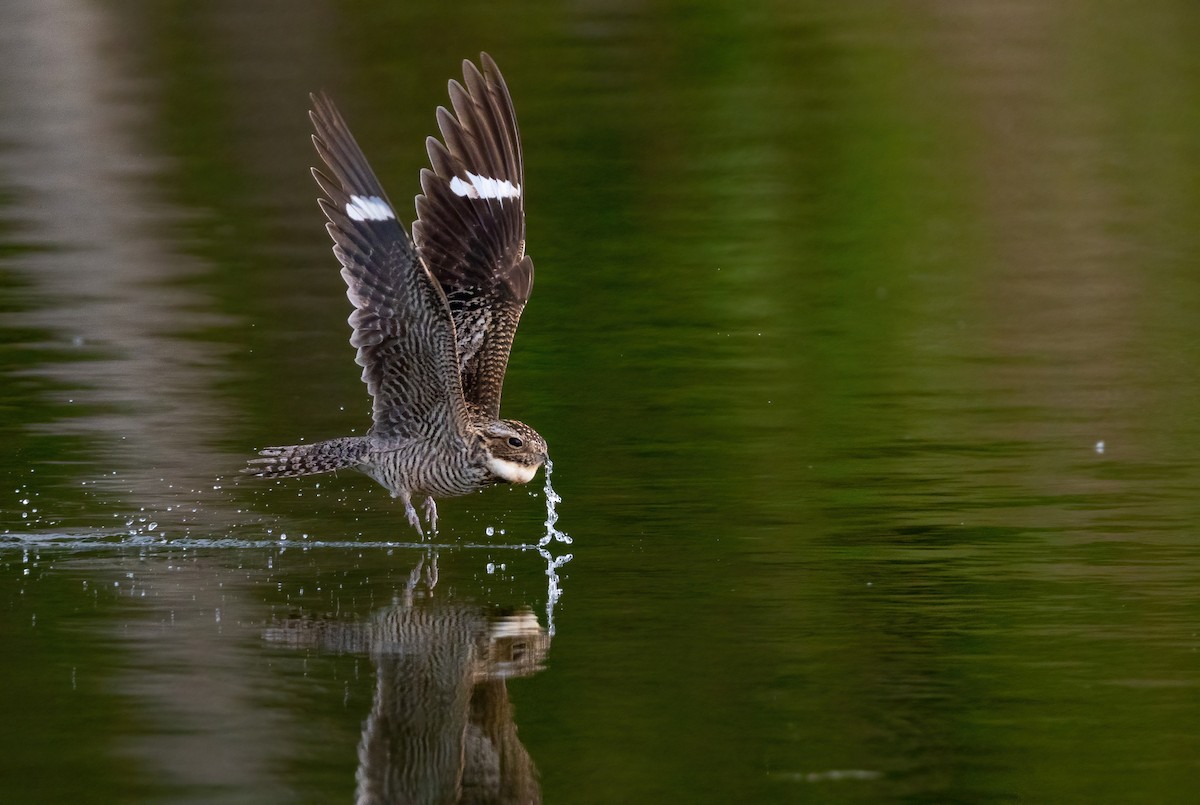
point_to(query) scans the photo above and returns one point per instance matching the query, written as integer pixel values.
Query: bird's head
(514, 450)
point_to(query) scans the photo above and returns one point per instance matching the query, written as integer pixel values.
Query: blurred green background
(864, 340)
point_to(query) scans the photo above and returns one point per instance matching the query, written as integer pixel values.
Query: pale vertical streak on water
(109, 287)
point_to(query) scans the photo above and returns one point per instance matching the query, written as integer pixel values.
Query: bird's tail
(308, 459)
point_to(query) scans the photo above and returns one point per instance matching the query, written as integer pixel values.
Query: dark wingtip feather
(470, 226)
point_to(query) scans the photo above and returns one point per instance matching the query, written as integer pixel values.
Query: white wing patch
(483, 187)
(369, 208)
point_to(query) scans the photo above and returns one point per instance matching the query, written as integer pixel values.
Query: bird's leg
(413, 579)
(431, 570)
(431, 513)
(411, 513)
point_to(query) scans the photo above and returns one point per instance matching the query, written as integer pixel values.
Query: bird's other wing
(470, 227)
(401, 324)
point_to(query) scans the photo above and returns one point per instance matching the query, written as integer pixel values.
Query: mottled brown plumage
(441, 726)
(475, 247)
(434, 317)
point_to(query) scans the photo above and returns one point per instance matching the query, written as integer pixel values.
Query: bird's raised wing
(470, 227)
(401, 322)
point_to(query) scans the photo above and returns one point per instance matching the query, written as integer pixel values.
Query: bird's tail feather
(308, 459)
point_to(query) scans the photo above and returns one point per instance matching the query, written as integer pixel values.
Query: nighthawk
(435, 315)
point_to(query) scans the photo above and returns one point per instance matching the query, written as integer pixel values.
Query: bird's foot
(413, 519)
(431, 570)
(414, 578)
(431, 514)
(426, 572)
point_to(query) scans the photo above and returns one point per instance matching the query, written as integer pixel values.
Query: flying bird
(435, 314)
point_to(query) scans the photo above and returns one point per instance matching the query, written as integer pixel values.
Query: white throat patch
(511, 471)
(483, 187)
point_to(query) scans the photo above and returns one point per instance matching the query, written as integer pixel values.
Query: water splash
(552, 501)
(554, 589)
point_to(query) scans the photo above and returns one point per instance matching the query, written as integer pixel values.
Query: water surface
(865, 344)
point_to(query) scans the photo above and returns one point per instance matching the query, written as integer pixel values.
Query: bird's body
(434, 315)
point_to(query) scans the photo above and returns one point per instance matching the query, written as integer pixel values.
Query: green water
(865, 342)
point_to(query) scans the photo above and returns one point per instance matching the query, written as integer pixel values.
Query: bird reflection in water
(441, 725)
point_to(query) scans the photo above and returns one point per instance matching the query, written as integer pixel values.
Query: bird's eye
(515, 441)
